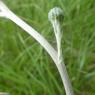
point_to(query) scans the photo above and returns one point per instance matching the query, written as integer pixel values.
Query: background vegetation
(27, 69)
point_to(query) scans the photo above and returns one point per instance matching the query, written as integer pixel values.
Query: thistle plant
(55, 16)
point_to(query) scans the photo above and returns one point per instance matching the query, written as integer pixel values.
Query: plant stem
(10, 15)
(54, 16)
(61, 64)
(4, 11)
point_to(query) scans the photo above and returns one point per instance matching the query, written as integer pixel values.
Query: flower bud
(56, 14)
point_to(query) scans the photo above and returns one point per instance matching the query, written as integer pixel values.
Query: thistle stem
(54, 17)
(62, 67)
(31, 31)
(5, 12)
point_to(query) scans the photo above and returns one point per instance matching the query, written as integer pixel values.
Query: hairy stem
(61, 64)
(31, 31)
(5, 12)
(55, 16)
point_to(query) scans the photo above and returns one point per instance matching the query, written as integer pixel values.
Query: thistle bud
(56, 14)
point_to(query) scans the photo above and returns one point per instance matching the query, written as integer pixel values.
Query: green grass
(27, 69)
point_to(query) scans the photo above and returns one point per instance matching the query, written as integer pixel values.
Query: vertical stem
(61, 65)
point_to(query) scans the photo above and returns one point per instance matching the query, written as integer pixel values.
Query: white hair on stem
(56, 17)
(5, 12)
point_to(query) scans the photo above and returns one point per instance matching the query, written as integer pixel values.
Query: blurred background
(27, 69)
